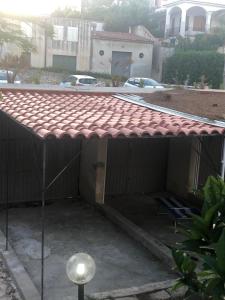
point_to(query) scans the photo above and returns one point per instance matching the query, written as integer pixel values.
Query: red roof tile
(120, 36)
(74, 114)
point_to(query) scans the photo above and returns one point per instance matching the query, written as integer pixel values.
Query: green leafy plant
(187, 268)
(200, 259)
(142, 83)
(198, 57)
(196, 64)
(117, 81)
(202, 42)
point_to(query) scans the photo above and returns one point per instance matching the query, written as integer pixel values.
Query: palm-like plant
(11, 33)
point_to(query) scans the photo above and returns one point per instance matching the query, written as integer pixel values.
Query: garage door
(121, 62)
(64, 62)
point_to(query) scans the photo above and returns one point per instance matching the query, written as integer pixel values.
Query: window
(70, 79)
(27, 29)
(72, 34)
(150, 82)
(88, 81)
(136, 82)
(199, 24)
(3, 76)
(58, 33)
(131, 81)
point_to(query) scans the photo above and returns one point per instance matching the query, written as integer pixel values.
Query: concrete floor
(74, 226)
(143, 211)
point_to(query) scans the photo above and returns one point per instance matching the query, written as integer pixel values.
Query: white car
(79, 80)
(143, 83)
(3, 77)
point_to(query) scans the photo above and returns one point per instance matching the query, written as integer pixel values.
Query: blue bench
(176, 208)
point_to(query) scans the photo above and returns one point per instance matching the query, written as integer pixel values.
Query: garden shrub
(200, 259)
(202, 42)
(194, 64)
(77, 72)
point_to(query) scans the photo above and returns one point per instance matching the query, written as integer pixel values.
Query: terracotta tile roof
(119, 36)
(81, 114)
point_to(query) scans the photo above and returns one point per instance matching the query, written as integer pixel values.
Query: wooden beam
(101, 166)
(195, 156)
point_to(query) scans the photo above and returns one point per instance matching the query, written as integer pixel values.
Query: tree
(202, 42)
(98, 9)
(13, 64)
(221, 30)
(194, 64)
(198, 58)
(120, 15)
(127, 13)
(117, 15)
(156, 24)
(11, 33)
(66, 12)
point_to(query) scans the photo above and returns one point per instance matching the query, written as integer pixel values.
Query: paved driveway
(74, 226)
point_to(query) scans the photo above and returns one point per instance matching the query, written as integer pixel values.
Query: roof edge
(55, 88)
(124, 40)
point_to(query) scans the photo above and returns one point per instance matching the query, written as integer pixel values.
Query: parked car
(143, 83)
(79, 80)
(3, 77)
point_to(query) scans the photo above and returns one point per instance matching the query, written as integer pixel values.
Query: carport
(60, 144)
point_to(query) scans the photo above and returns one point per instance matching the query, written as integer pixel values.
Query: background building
(81, 45)
(190, 17)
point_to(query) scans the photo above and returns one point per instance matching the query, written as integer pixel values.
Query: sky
(35, 7)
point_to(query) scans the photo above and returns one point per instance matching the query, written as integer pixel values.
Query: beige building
(120, 53)
(84, 46)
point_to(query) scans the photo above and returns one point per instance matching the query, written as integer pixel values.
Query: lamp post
(80, 270)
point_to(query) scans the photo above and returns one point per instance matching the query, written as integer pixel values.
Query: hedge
(194, 64)
(94, 74)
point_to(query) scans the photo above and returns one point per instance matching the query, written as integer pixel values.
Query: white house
(190, 17)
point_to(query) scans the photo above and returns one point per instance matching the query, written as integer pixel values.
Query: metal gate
(210, 161)
(121, 62)
(21, 165)
(136, 166)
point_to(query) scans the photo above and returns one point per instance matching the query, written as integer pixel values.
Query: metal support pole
(81, 292)
(224, 68)
(45, 48)
(7, 198)
(223, 161)
(43, 218)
